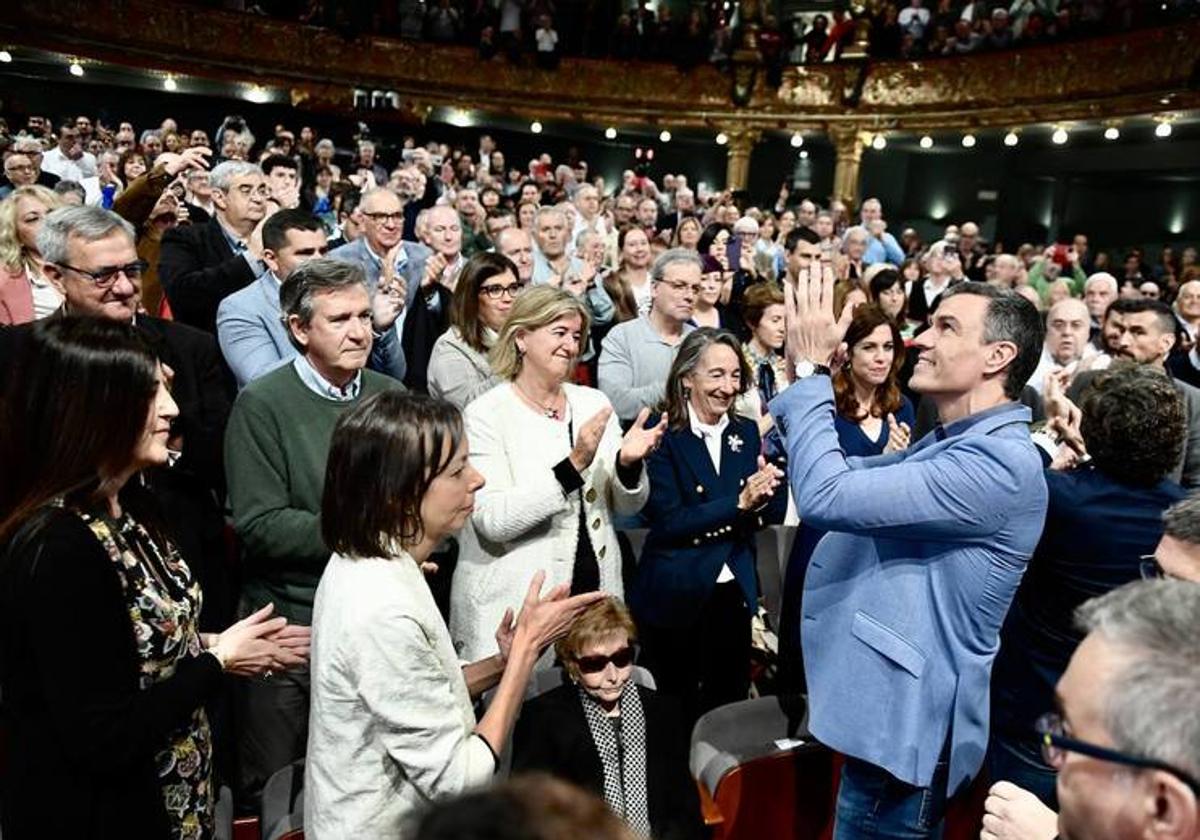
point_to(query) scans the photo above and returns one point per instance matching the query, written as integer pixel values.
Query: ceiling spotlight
(169, 84)
(535, 127)
(879, 142)
(968, 141)
(76, 69)
(5, 56)
(926, 142)
(797, 140)
(665, 136)
(1163, 129)
(1011, 139)
(258, 94)
(804, 154)
(1059, 137)
(1112, 133)
(610, 133)
(722, 139)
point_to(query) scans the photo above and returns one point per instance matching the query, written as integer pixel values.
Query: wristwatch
(806, 368)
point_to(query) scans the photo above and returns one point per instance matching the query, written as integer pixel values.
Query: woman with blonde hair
(557, 469)
(25, 294)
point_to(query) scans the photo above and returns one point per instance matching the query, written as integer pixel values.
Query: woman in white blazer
(557, 469)
(391, 725)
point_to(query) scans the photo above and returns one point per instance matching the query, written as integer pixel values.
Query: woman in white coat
(391, 725)
(557, 469)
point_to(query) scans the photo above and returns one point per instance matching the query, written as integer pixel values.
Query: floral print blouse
(164, 603)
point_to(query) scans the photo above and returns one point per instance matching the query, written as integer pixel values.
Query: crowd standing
(419, 410)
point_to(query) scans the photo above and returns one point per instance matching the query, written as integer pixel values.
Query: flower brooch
(735, 443)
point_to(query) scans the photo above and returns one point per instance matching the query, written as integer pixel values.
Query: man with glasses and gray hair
(200, 265)
(636, 355)
(1125, 737)
(32, 149)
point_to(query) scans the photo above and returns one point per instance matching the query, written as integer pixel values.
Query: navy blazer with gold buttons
(695, 524)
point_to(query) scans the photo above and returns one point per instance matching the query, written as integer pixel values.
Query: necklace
(546, 410)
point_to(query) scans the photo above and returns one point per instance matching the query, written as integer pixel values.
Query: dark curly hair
(1134, 424)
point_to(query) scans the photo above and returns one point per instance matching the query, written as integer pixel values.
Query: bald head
(516, 244)
(1067, 325)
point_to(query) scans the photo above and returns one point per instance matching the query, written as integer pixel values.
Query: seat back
(283, 802)
(767, 776)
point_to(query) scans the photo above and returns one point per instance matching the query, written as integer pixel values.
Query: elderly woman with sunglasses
(458, 367)
(606, 734)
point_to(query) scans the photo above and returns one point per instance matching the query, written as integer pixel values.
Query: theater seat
(283, 803)
(764, 773)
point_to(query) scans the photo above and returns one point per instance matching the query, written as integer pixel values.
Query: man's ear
(55, 276)
(1000, 355)
(298, 330)
(1172, 807)
(218, 199)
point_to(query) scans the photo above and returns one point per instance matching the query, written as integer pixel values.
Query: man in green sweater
(276, 445)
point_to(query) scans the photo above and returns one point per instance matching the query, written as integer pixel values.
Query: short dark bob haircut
(77, 406)
(385, 453)
(464, 307)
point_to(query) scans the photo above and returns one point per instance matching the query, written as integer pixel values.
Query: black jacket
(198, 270)
(80, 735)
(552, 735)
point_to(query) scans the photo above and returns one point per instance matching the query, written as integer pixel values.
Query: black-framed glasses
(1150, 568)
(1056, 743)
(384, 218)
(105, 277)
(495, 291)
(622, 658)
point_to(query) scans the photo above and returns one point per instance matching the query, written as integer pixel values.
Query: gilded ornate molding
(1108, 77)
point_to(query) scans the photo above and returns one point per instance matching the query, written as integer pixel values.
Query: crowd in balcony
(543, 30)
(321, 457)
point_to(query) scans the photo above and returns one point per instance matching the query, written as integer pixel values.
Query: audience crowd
(372, 435)
(539, 31)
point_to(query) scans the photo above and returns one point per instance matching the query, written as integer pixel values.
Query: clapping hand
(544, 620)
(640, 441)
(588, 440)
(760, 486)
(505, 633)
(1012, 813)
(434, 267)
(899, 435)
(260, 644)
(195, 157)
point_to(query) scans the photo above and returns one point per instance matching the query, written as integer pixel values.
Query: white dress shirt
(711, 435)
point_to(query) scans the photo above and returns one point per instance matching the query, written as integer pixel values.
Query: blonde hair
(533, 309)
(12, 254)
(601, 621)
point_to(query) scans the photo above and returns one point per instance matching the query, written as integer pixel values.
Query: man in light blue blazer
(250, 328)
(905, 597)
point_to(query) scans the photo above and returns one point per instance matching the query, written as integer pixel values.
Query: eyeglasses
(684, 288)
(1150, 568)
(384, 218)
(1055, 744)
(261, 191)
(105, 277)
(622, 658)
(495, 291)
(19, 167)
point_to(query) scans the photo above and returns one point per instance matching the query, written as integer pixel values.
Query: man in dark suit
(91, 259)
(200, 265)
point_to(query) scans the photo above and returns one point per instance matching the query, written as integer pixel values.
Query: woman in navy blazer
(710, 491)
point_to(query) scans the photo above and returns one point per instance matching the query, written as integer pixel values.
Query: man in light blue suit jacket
(250, 328)
(905, 597)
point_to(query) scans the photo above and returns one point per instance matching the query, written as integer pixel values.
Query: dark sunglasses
(622, 658)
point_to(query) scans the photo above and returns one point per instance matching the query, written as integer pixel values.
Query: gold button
(595, 523)
(603, 551)
(590, 495)
(699, 488)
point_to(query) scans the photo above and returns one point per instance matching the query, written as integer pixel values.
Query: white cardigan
(391, 723)
(523, 521)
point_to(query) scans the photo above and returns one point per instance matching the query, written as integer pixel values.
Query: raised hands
(760, 486)
(899, 435)
(195, 157)
(640, 441)
(260, 644)
(813, 333)
(545, 619)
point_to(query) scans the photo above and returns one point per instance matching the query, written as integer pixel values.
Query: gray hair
(671, 257)
(25, 143)
(324, 143)
(148, 133)
(309, 279)
(1102, 277)
(1182, 520)
(1150, 709)
(1009, 317)
(545, 211)
(687, 359)
(855, 230)
(87, 223)
(222, 175)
